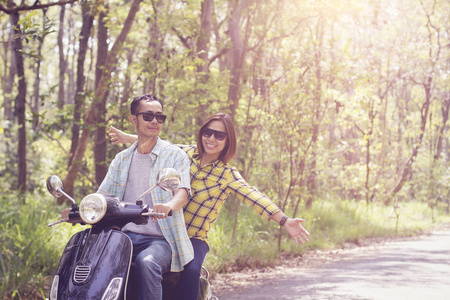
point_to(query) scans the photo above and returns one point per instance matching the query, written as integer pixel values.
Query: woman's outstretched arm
(117, 136)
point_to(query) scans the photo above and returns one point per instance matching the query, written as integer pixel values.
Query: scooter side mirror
(55, 186)
(168, 179)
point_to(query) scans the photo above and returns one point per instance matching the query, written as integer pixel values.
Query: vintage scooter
(96, 262)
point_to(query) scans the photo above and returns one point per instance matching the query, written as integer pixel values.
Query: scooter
(96, 262)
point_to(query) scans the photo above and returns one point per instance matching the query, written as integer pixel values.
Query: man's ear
(133, 120)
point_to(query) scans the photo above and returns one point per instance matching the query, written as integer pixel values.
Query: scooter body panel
(91, 260)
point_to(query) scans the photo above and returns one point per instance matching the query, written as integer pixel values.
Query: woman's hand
(117, 136)
(296, 230)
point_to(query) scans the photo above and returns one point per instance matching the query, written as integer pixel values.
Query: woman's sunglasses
(149, 116)
(219, 135)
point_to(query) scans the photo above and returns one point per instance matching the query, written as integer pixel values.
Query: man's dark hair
(147, 98)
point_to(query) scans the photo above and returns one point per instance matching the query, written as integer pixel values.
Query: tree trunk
(407, 169)
(20, 105)
(100, 131)
(235, 61)
(37, 82)
(427, 84)
(155, 46)
(445, 112)
(237, 55)
(9, 83)
(202, 49)
(62, 61)
(70, 64)
(85, 33)
(204, 37)
(311, 185)
(100, 92)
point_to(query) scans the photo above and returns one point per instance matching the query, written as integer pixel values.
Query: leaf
(27, 18)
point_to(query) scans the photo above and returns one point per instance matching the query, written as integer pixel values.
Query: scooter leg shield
(90, 263)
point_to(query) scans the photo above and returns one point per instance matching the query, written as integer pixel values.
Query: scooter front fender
(91, 261)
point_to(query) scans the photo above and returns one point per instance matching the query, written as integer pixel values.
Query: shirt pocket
(208, 192)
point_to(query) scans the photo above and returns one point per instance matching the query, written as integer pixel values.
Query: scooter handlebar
(58, 222)
(155, 214)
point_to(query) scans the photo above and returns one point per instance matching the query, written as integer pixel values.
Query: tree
(13, 10)
(101, 165)
(38, 59)
(80, 95)
(100, 91)
(296, 76)
(238, 51)
(434, 52)
(20, 103)
(62, 61)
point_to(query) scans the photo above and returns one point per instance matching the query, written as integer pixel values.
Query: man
(163, 245)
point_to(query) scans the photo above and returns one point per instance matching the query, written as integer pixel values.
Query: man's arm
(178, 201)
(180, 195)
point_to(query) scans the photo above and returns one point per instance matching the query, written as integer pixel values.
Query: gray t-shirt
(138, 182)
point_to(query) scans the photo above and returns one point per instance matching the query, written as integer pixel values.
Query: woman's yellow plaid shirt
(210, 187)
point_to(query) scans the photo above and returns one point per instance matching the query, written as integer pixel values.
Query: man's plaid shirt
(210, 187)
(164, 155)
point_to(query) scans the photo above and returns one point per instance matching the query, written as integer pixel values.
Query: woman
(212, 180)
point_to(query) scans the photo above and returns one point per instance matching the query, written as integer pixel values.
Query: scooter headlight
(93, 208)
(112, 292)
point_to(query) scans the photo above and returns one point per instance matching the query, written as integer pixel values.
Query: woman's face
(213, 147)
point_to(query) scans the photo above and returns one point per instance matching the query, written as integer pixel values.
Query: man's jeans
(153, 257)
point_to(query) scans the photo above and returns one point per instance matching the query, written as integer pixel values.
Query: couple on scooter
(211, 180)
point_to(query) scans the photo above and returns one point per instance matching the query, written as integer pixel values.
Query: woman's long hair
(229, 151)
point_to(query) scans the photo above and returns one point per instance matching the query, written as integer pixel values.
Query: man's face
(147, 129)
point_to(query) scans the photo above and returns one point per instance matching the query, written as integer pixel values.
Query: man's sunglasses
(219, 135)
(149, 116)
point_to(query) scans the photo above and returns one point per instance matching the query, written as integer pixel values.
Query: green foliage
(30, 250)
(251, 247)
(8, 169)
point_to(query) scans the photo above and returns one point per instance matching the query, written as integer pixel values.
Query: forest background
(341, 108)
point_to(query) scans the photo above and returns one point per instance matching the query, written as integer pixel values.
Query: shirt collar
(217, 163)
(196, 155)
(158, 147)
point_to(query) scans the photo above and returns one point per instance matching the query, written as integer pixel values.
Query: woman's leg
(189, 284)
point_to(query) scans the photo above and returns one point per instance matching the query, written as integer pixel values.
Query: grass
(250, 247)
(331, 224)
(30, 250)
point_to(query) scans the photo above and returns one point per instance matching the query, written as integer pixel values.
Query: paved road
(410, 270)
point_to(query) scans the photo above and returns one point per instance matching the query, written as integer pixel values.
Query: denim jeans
(189, 284)
(153, 257)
